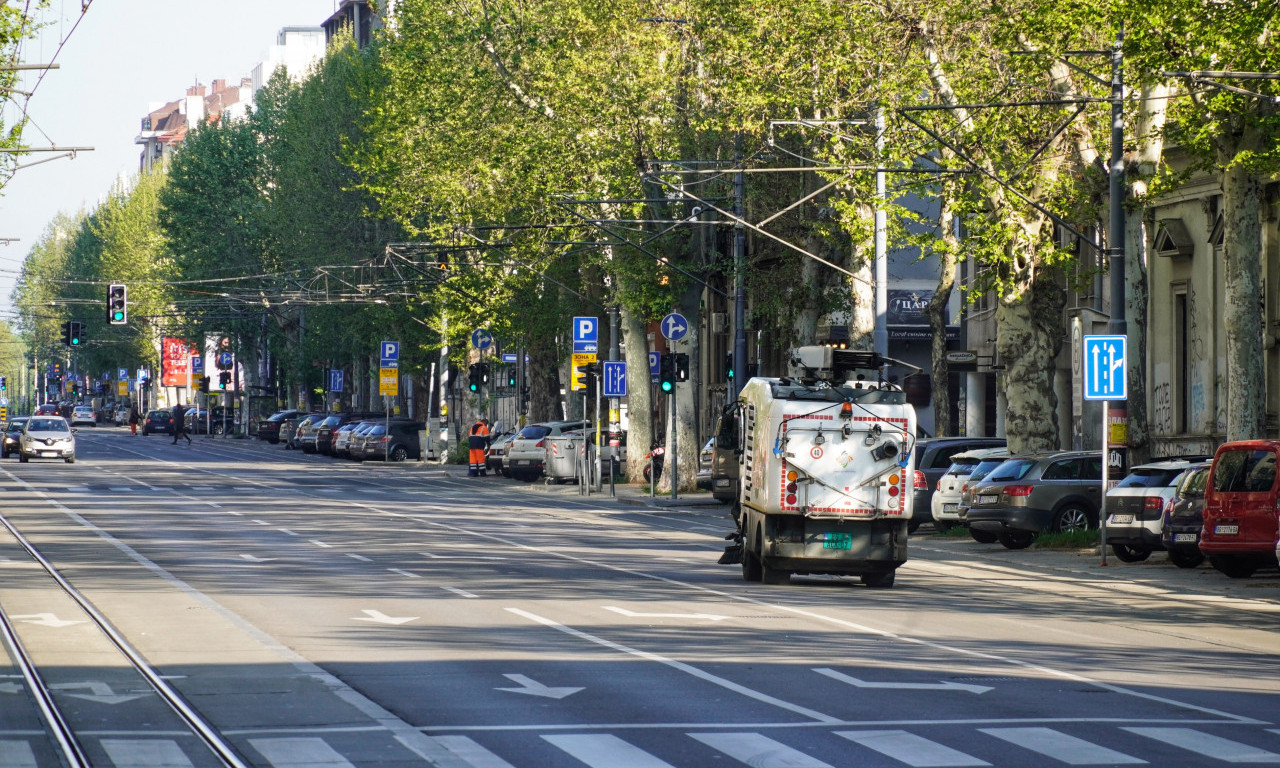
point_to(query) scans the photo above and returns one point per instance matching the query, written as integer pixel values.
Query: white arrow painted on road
(942, 686)
(10, 687)
(634, 615)
(379, 617)
(256, 559)
(534, 688)
(98, 692)
(45, 620)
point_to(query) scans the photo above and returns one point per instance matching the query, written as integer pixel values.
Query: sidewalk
(635, 494)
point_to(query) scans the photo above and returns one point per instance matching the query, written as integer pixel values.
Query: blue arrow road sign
(585, 329)
(481, 339)
(614, 374)
(335, 380)
(675, 327)
(1105, 374)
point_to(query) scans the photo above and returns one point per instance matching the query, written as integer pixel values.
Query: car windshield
(1011, 469)
(281, 416)
(1244, 471)
(1150, 478)
(963, 467)
(1194, 482)
(47, 425)
(534, 432)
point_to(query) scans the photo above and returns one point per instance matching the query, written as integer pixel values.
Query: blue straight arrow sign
(614, 374)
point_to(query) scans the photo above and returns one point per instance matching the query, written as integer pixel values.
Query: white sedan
(83, 414)
(47, 437)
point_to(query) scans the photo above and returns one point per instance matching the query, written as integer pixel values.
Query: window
(1066, 469)
(1244, 471)
(1149, 478)
(1194, 483)
(1013, 469)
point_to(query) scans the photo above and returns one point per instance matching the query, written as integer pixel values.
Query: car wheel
(399, 453)
(751, 570)
(1130, 554)
(983, 537)
(1071, 518)
(1016, 539)
(1234, 566)
(878, 580)
(4, 454)
(71, 459)
(1185, 558)
(913, 525)
(22, 457)
(216, 429)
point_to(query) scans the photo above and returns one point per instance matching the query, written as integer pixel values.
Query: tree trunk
(544, 387)
(862, 305)
(635, 338)
(804, 325)
(1242, 275)
(1029, 332)
(936, 311)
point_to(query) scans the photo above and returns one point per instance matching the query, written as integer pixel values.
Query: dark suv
(933, 459)
(269, 428)
(1029, 495)
(398, 444)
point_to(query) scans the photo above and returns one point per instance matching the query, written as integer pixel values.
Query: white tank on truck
(826, 471)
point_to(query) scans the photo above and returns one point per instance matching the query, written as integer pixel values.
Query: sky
(121, 58)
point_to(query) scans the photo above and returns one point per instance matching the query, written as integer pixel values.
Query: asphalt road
(326, 613)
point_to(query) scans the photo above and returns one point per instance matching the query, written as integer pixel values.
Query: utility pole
(1115, 412)
(880, 336)
(739, 282)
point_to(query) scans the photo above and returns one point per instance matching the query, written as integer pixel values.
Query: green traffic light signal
(667, 386)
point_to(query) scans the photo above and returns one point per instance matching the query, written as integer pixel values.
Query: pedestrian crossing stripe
(603, 750)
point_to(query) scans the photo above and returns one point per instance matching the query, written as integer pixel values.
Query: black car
(933, 459)
(158, 421)
(1184, 517)
(397, 440)
(269, 428)
(12, 433)
(215, 421)
(321, 436)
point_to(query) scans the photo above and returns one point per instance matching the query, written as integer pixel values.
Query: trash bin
(564, 454)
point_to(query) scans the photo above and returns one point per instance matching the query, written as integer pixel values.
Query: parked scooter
(653, 469)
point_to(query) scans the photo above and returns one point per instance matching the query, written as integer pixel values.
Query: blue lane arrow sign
(1105, 371)
(614, 374)
(675, 327)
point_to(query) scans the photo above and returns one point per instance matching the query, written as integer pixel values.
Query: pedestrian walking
(133, 420)
(180, 423)
(477, 442)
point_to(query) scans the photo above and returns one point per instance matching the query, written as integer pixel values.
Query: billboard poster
(175, 359)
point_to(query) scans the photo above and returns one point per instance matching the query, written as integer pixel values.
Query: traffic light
(204, 384)
(728, 366)
(473, 378)
(66, 333)
(511, 377)
(667, 372)
(224, 379)
(71, 331)
(117, 304)
(590, 372)
(4, 383)
(484, 373)
(682, 367)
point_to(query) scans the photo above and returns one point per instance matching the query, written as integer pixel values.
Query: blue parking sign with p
(586, 329)
(390, 350)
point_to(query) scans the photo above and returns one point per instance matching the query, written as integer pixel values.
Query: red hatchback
(1242, 502)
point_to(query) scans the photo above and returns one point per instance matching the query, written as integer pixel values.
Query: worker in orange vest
(478, 442)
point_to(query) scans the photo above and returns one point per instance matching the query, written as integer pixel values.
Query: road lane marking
(634, 615)
(472, 753)
(288, 532)
(145, 753)
(300, 753)
(679, 666)
(1208, 745)
(459, 592)
(409, 574)
(361, 558)
(1062, 747)
(758, 751)
(939, 686)
(913, 750)
(605, 751)
(321, 544)
(17, 754)
(378, 617)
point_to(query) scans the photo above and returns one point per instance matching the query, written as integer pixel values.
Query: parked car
(321, 433)
(1028, 495)
(121, 415)
(705, 459)
(47, 437)
(307, 432)
(933, 459)
(1240, 527)
(216, 421)
(269, 428)
(12, 436)
(289, 428)
(341, 439)
(945, 504)
(83, 414)
(494, 457)
(527, 451)
(356, 443)
(158, 421)
(1135, 507)
(397, 440)
(1184, 517)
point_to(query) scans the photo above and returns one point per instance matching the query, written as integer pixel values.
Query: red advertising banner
(175, 361)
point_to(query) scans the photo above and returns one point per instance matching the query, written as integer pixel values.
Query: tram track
(123, 702)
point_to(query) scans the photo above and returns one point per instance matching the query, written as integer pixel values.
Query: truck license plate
(1191, 537)
(1226, 530)
(837, 541)
(1121, 519)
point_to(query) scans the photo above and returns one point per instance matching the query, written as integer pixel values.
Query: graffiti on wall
(1161, 401)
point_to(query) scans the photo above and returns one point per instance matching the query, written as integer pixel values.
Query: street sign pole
(1105, 380)
(1102, 507)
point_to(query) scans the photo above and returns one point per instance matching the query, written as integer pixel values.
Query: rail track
(75, 693)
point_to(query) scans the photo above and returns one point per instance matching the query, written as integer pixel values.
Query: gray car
(1046, 492)
(47, 437)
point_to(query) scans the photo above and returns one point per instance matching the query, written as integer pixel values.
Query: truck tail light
(1018, 490)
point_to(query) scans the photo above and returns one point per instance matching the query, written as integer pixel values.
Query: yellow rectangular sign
(580, 359)
(122, 388)
(389, 381)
